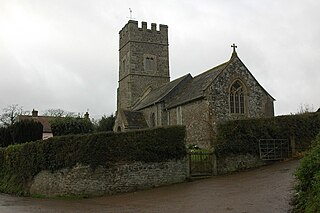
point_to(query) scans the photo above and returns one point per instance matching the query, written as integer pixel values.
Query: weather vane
(130, 17)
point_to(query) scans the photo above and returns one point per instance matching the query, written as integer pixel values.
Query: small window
(124, 66)
(179, 115)
(237, 98)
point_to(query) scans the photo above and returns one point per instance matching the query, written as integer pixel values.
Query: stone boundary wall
(234, 163)
(118, 178)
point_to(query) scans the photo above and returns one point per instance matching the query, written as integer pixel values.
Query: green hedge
(242, 136)
(307, 197)
(19, 163)
(5, 137)
(70, 125)
(20, 132)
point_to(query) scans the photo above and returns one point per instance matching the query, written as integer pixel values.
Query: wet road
(267, 189)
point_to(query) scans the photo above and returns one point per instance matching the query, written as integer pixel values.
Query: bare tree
(54, 112)
(306, 108)
(58, 113)
(10, 114)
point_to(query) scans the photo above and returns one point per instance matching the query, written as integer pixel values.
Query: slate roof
(44, 120)
(194, 89)
(158, 94)
(135, 120)
(185, 89)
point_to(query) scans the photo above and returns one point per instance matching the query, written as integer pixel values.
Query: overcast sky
(64, 53)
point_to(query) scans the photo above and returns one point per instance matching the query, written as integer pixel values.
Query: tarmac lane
(267, 189)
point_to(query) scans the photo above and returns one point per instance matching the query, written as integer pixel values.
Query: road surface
(267, 189)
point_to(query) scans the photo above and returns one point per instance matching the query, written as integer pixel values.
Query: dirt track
(267, 189)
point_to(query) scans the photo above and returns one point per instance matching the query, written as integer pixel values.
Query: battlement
(132, 32)
(133, 26)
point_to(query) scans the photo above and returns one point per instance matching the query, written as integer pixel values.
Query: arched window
(237, 98)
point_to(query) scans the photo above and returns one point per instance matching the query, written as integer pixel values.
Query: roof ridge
(218, 66)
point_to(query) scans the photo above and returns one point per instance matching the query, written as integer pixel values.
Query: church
(147, 98)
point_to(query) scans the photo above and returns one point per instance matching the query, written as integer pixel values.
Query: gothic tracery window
(237, 98)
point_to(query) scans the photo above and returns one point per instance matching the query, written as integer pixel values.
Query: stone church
(147, 98)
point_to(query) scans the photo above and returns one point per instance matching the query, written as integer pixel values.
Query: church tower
(143, 61)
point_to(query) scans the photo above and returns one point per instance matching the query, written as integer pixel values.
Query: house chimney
(34, 113)
(86, 115)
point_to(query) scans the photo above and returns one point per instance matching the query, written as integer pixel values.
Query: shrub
(242, 136)
(308, 187)
(22, 162)
(21, 132)
(5, 137)
(25, 131)
(105, 123)
(70, 125)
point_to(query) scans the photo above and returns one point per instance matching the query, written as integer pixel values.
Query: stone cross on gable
(234, 47)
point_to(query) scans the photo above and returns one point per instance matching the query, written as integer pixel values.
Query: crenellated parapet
(132, 32)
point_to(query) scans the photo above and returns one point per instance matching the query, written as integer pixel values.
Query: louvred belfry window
(149, 64)
(237, 98)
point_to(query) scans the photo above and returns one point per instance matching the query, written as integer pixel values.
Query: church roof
(181, 90)
(158, 94)
(195, 87)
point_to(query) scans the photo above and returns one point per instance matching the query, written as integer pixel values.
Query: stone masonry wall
(118, 178)
(195, 117)
(234, 163)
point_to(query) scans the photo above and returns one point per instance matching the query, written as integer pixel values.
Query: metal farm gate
(200, 163)
(274, 149)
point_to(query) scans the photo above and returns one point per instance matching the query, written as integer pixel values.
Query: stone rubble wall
(235, 163)
(114, 179)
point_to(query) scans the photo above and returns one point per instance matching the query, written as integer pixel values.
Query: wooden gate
(201, 163)
(274, 149)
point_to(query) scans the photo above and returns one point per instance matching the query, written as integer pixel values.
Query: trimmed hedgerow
(5, 137)
(22, 162)
(307, 198)
(70, 125)
(242, 136)
(26, 130)
(20, 132)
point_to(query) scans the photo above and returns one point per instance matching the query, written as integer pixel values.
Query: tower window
(149, 63)
(237, 98)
